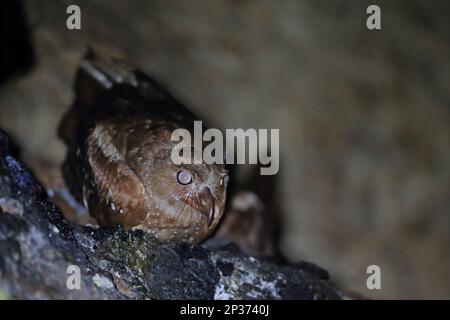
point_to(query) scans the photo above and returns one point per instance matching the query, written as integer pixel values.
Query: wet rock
(12, 206)
(39, 249)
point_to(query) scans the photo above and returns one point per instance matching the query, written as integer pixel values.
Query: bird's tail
(97, 73)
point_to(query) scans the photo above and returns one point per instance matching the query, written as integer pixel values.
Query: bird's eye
(184, 177)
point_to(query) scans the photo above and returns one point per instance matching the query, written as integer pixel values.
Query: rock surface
(37, 248)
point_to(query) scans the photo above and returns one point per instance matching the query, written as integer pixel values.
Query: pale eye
(184, 177)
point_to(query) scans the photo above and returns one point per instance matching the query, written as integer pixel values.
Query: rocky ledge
(42, 254)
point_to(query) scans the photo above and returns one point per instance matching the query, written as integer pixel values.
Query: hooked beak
(205, 203)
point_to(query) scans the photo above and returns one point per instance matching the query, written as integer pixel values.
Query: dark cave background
(363, 115)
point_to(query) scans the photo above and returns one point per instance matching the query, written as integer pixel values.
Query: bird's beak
(206, 204)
